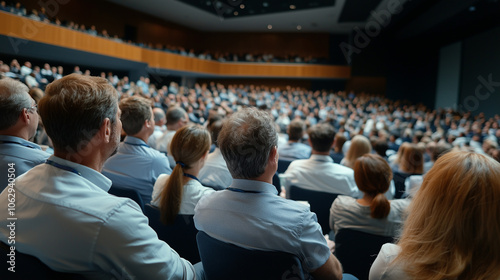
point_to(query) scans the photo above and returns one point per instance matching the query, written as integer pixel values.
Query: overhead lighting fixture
(472, 8)
(299, 27)
(242, 6)
(269, 26)
(292, 7)
(265, 4)
(235, 13)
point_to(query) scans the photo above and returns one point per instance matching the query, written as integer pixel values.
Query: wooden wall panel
(24, 28)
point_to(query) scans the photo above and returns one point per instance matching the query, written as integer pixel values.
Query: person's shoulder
(338, 168)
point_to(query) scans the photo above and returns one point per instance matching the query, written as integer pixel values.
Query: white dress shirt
(66, 218)
(320, 173)
(215, 173)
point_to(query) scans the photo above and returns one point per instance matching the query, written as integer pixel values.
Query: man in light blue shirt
(136, 165)
(294, 149)
(18, 125)
(249, 213)
(63, 213)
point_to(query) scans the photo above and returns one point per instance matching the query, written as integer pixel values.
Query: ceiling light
(299, 27)
(472, 8)
(265, 4)
(292, 7)
(242, 6)
(235, 13)
(269, 26)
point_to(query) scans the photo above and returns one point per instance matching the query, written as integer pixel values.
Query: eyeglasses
(35, 107)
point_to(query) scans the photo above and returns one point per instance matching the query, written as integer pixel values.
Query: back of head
(412, 160)
(74, 108)
(373, 176)
(188, 146)
(14, 98)
(214, 128)
(453, 224)
(175, 114)
(381, 146)
(159, 115)
(135, 111)
(321, 136)
(246, 140)
(360, 145)
(340, 140)
(440, 149)
(296, 130)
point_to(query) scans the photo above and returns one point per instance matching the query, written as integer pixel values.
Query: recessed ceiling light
(242, 6)
(269, 26)
(292, 7)
(265, 4)
(299, 27)
(235, 13)
(472, 8)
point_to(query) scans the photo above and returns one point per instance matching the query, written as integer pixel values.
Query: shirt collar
(88, 173)
(322, 158)
(252, 185)
(20, 141)
(133, 140)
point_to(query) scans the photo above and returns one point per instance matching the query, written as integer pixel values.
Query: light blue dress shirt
(24, 154)
(293, 150)
(136, 166)
(66, 218)
(254, 216)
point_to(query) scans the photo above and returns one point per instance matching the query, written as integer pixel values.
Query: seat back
(181, 235)
(399, 183)
(283, 165)
(127, 192)
(320, 203)
(28, 267)
(223, 260)
(357, 250)
(277, 183)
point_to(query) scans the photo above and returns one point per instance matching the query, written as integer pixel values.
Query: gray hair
(246, 140)
(175, 114)
(14, 98)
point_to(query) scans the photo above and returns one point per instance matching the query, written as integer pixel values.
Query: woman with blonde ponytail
(372, 213)
(179, 192)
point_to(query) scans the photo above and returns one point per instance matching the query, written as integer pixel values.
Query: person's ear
(273, 155)
(106, 130)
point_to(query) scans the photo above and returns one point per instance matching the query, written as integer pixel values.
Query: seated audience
(452, 228)
(176, 119)
(179, 192)
(98, 235)
(18, 126)
(319, 173)
(410, 161)
(136, 165)
(249, 213)
(372, 213)
(294, 149)
(360, 145)
(215, 173)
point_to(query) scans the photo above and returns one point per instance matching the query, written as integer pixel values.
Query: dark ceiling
(239, 8)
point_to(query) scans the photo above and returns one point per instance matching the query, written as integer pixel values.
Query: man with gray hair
(176, 119)
(249, 213)
(160, 121)
(65, 216)
(18, 125)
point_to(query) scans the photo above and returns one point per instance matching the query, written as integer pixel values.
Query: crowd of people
(212, 151)
(41, 15)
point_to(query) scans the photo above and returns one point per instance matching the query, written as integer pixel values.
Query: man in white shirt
(176, 118)
(160, 121)
(319, 172)
(215, 173)
(64, 215)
